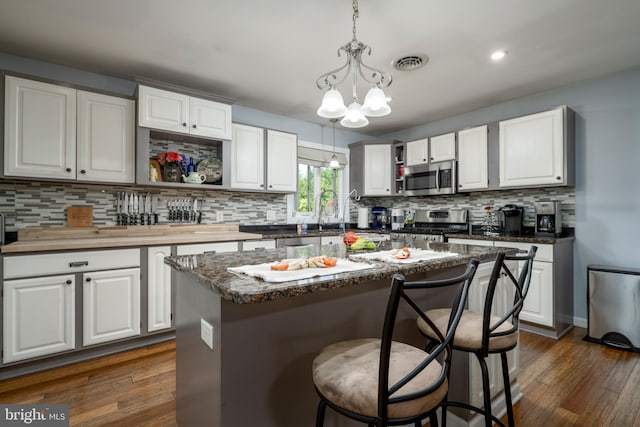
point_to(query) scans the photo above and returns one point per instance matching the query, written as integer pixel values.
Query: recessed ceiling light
(498, 55)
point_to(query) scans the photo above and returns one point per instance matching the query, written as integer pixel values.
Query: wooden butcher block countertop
(41, 239)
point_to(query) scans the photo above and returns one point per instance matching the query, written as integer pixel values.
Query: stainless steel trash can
(613, 298)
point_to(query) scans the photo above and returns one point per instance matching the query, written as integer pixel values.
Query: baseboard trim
(580, 322)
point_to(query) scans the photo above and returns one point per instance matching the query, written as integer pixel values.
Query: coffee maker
(548, 219)
(379, 218)
(510, 220)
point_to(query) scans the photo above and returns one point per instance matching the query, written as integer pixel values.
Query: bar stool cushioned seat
(469, 331)
(347, 374)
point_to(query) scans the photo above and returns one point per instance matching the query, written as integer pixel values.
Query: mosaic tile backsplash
(30, 204)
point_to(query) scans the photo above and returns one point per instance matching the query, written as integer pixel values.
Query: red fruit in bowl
(349, 238)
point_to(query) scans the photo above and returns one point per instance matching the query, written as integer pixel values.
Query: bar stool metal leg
(486, 393)
(320, 413)
(507, 388)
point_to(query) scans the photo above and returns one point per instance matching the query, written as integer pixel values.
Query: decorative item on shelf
(490, 225)
(191, 167)
(375, 102)
(194, 178)
(211, 168)
(173, 164)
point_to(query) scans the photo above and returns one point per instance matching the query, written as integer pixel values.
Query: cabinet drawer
(207, 247)
(251, 245)
(470, 242)
(544, 253)
(69, 262)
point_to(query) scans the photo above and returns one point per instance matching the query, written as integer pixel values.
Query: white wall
(607, 166)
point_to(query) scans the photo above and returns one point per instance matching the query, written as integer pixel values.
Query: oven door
(428, 180)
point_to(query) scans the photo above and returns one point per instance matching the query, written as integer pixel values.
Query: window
(319, 186)
(326, 190)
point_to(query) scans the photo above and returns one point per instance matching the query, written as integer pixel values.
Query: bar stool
(383, 382)
(483, 333)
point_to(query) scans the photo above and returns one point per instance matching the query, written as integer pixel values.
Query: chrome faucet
(335, 197)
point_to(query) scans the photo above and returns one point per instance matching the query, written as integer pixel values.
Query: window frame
(294, 217)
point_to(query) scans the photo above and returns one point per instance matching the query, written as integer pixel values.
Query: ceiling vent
(410, 62)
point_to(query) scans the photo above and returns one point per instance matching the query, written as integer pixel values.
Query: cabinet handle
(432, 158)
(271, 186)
(208, 252)
(83, 171)
(459, 185)
(387, 189)
(88, 279)
(261, 185)
(184, 124)
(194, 126)
(558, 178)
(78, 264)
(68, 169)
(68, 282)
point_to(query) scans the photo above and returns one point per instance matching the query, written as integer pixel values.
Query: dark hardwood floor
(568, 382)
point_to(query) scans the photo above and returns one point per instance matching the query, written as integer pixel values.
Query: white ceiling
(267, 54)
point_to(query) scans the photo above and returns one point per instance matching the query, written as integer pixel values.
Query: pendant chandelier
(375, 102)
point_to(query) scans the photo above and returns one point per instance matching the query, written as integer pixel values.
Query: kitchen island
(265, 335)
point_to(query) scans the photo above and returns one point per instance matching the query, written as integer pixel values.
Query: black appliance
(379, 218)
(548, 219)
(431, 179)
(510, 219)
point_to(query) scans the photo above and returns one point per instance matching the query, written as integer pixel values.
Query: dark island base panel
(267, 351)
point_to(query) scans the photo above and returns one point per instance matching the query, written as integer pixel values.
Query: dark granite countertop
(506, 238)
(211, 269)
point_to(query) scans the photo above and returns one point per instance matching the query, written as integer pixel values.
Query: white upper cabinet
(532, 150)
(250, 156)
(61, 133)
(473, 166)
(282, 161)
(247, 157)
(417, 152)
(106, 138)
(442, 147)
(40, 130)
(377, 170)
(174, 112)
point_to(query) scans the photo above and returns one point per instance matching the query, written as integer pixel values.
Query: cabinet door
(158, 289)
(377, 170)
(417, 152)
(538, 305)
(282, 161)
(111, 305)
(473, 167)
(247, 157)
(39, 317)
(442, 147)
(210, 119)
(532, 150)
(40, 130)
(252, 245)
(164, 110)
(503, 300)
(106, 138)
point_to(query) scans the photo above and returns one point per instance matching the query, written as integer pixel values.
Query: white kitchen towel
(264, 271)
(417, 255)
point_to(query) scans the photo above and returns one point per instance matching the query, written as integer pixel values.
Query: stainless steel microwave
(431, 179)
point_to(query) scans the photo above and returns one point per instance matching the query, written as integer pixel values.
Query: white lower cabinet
(253, 245)
(158, 289)
(503, 301)
(38, 317)
(111, 305)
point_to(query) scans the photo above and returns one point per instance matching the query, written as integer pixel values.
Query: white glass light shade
(375, 103)
(354, 117)
(332, 105)
(334, 163)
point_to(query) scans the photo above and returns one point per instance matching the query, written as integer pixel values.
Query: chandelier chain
(356, 15)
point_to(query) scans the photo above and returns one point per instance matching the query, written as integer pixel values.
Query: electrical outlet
(271, 215)
(220, 216)
(206, 333)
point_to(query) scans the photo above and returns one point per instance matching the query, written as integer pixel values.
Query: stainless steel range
(432, 225)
